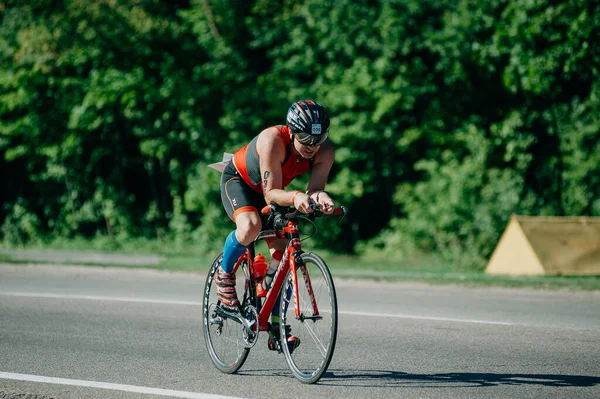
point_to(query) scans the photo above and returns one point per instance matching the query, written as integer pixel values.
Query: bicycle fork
(316, 316)
(295, 264)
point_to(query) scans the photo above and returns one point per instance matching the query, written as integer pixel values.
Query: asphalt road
(74, 332)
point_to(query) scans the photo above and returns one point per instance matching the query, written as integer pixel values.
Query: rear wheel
(317, 332)
(224, 337)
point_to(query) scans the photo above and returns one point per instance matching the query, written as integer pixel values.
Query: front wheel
(316, 331)
(224, 336)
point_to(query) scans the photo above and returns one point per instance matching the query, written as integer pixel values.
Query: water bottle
(260, 268)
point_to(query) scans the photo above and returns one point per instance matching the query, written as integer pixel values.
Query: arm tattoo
(266, 179)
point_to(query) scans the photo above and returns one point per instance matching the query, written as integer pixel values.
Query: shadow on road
(379, 378)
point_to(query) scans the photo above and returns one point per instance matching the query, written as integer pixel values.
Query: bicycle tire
(310, 359)
(226, 347)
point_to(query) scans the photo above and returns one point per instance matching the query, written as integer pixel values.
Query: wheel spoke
(316, 339)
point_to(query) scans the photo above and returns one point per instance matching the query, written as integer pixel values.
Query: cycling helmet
(309, 122)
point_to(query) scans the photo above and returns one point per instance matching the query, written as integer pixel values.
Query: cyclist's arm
(271, 151)
(318, 178)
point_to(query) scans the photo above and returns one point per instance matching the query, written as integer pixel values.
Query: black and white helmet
(309, 122)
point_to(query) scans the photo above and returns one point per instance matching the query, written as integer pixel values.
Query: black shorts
(237, 196)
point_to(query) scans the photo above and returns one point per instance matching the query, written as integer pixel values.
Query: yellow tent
(548, 245)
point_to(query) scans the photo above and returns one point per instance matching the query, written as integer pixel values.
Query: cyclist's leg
(248, 225)
(277, 247)
(232, 250)
(239, 202)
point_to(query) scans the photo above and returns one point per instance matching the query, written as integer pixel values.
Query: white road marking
(108, 385)
(196, 303)
(405, 316)
(102, 298)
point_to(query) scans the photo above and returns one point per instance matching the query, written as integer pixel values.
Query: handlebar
(274, 208)
(280, 215)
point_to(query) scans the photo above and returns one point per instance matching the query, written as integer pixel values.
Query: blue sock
(231, 252)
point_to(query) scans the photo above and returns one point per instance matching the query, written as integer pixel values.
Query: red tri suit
(246, 161)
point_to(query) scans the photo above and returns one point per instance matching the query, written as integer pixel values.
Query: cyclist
(258, 175)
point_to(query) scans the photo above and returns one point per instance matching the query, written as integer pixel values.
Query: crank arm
(235, 317)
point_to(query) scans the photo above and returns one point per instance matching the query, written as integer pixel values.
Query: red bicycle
(308, 304)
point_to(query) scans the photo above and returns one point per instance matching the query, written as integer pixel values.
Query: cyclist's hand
(326, 204)
(302, 202)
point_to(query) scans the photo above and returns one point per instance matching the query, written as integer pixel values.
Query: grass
(431, 270)
(427, 269)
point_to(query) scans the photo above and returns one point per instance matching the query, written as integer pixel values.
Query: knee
(248, 229)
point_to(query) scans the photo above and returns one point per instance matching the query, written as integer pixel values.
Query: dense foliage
(448, 116)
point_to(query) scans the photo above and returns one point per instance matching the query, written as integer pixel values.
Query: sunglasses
(311, 140)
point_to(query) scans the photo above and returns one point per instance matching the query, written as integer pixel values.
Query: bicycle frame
(290, 261)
